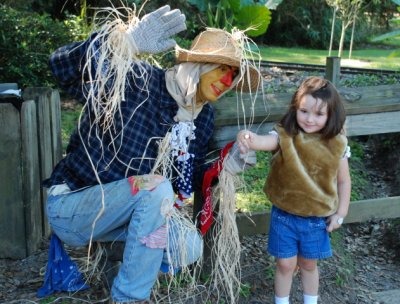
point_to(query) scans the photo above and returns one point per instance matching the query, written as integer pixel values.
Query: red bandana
(212, 173)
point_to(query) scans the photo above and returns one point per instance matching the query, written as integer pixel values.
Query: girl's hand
(243, 140)
(333, 222)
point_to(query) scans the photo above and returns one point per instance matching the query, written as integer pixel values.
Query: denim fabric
(125, 217)
(291, 235)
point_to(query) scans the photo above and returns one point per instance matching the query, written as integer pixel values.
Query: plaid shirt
(130, 147)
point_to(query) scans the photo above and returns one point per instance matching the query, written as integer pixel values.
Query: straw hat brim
(247, 84)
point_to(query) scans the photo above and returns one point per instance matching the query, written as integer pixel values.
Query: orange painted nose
(227, 79)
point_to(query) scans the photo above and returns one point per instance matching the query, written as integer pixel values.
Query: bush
(27, 40)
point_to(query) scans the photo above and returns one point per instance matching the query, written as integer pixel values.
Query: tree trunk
(332, 30)
(342, 38)
(352, 37)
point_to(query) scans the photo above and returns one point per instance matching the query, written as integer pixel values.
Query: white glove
(236, 162)
(152, 33)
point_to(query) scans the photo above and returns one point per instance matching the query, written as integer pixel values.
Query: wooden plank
(254, 223)
(266, 108)
(35, 92)
(45, 145)
(359, 211)
(222, 136)
(55, 129)
(271, 107)
(374, 99)
(31, 177)
(380, 208)
(332, 71)
(42, 97)
(374, 123)
(12, 226)
(364, 124)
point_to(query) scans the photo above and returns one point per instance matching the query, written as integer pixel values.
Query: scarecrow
(141, 142)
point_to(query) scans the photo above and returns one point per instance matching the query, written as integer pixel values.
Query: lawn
(369, 58)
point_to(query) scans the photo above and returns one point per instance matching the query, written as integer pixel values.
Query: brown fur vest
(303, 174)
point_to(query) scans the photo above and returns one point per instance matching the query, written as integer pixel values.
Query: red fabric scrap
(206, 216)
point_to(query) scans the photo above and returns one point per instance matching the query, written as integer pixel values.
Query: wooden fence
(30, 146)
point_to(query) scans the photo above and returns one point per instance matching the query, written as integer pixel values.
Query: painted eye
(235, 73)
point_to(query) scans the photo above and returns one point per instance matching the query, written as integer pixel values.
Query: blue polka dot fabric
(184, 179)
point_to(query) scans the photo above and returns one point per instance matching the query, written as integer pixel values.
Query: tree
(352, 36)
(347, 11)
(332, 30)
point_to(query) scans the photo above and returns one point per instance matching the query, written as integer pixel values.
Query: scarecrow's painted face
(214, 83)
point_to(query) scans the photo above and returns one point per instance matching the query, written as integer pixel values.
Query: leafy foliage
(243, 14)
(26, 41)
(300, 22)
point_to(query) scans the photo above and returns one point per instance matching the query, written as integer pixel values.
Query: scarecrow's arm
(152, 34)
(74, 63)
(66, 64)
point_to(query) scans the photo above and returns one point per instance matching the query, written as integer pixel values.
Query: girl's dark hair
(324, 90)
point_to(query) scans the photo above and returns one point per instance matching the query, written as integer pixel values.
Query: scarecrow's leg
(82, 216)
(141, 263)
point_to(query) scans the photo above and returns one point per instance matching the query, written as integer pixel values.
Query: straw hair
(219, 46)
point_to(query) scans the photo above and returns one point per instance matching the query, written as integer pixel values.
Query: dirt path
(366, 261)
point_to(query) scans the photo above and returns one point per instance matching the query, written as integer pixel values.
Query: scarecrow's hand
(152, 34)
(236, 162)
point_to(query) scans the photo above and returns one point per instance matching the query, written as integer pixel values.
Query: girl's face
(311, 114)
(214, 83)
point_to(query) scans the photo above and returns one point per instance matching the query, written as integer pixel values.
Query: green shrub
(27, 40)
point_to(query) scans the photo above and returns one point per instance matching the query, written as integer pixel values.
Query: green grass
(252, 197)
(371, 58)
(69, 121)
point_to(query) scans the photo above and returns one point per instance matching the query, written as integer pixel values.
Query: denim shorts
(291, 235)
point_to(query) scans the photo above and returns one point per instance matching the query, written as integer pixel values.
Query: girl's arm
(344, 190)
(248, 140)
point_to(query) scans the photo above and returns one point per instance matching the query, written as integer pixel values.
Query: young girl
(308, 184)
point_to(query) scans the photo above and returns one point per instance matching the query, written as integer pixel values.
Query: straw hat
(219, 46)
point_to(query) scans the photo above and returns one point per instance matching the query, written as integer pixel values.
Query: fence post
(30, 147)
(48, 117)
(332, 71)
(12, 229)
